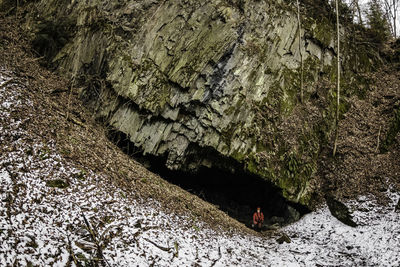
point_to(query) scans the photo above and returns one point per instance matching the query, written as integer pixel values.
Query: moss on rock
(59, 183)
(223, 75)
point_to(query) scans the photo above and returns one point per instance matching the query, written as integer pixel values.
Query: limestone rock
(183, 78)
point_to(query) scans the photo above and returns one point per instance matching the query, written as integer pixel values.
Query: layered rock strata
(203, 83)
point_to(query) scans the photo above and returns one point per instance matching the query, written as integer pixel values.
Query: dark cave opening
(236, 193)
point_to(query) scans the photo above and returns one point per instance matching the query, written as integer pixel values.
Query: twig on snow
(158, 246)
(71, 252)
(220, 256)
(4, 84)
(93, 236)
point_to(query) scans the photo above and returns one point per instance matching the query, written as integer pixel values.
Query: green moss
(155, 91)
(57, 183)
(284, 94)
(261, 147)
(294, 177)
(290, 169)
(291, 91)
(81, 257)
(252, 166)
(235, 109)
(323, 32)
(81, 175)
(355, 84)
(238, 156)
(311, 66)
(392, 132)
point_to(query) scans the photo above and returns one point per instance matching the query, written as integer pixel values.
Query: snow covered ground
(44, 225)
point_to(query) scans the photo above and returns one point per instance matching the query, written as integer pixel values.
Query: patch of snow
(46, 226)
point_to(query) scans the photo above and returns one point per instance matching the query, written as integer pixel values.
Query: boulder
(340, 211)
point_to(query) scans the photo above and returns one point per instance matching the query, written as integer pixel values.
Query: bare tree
(395, 9)
(338, 80)
(357, 6)
(391, 10)
(301, 55)
(354, 6)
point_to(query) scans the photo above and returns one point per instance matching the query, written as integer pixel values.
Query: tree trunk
(358, 11)
(389, 13)
(301, 54)
(338, 81)
(391, 7)
(394, 17)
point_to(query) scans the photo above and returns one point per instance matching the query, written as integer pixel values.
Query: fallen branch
(379, 136)
(220, 256)
(69, 96)
(158, 246)
(75, 121)
(9, 11)
(71, 119)
(71, 252)
(34, 59)
(93, 236)
(7, 82)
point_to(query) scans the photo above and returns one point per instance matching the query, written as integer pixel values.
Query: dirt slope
(364, 164)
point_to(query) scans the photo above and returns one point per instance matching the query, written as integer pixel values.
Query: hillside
(209, 85)
(368, 159)
(72, 195)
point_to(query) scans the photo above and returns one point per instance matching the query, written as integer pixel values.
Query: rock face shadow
(232, 190)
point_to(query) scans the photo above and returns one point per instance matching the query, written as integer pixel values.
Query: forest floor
(69, 196)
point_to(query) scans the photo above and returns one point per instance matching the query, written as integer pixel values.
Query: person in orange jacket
(258, 219)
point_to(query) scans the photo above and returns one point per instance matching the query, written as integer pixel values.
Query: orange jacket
(258, 218)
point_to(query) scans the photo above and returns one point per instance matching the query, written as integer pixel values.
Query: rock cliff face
(204, 83)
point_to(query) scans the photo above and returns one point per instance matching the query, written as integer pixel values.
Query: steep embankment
(368, 159)
(210, 84)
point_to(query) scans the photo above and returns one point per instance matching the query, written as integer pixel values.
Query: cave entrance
(238, 194)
